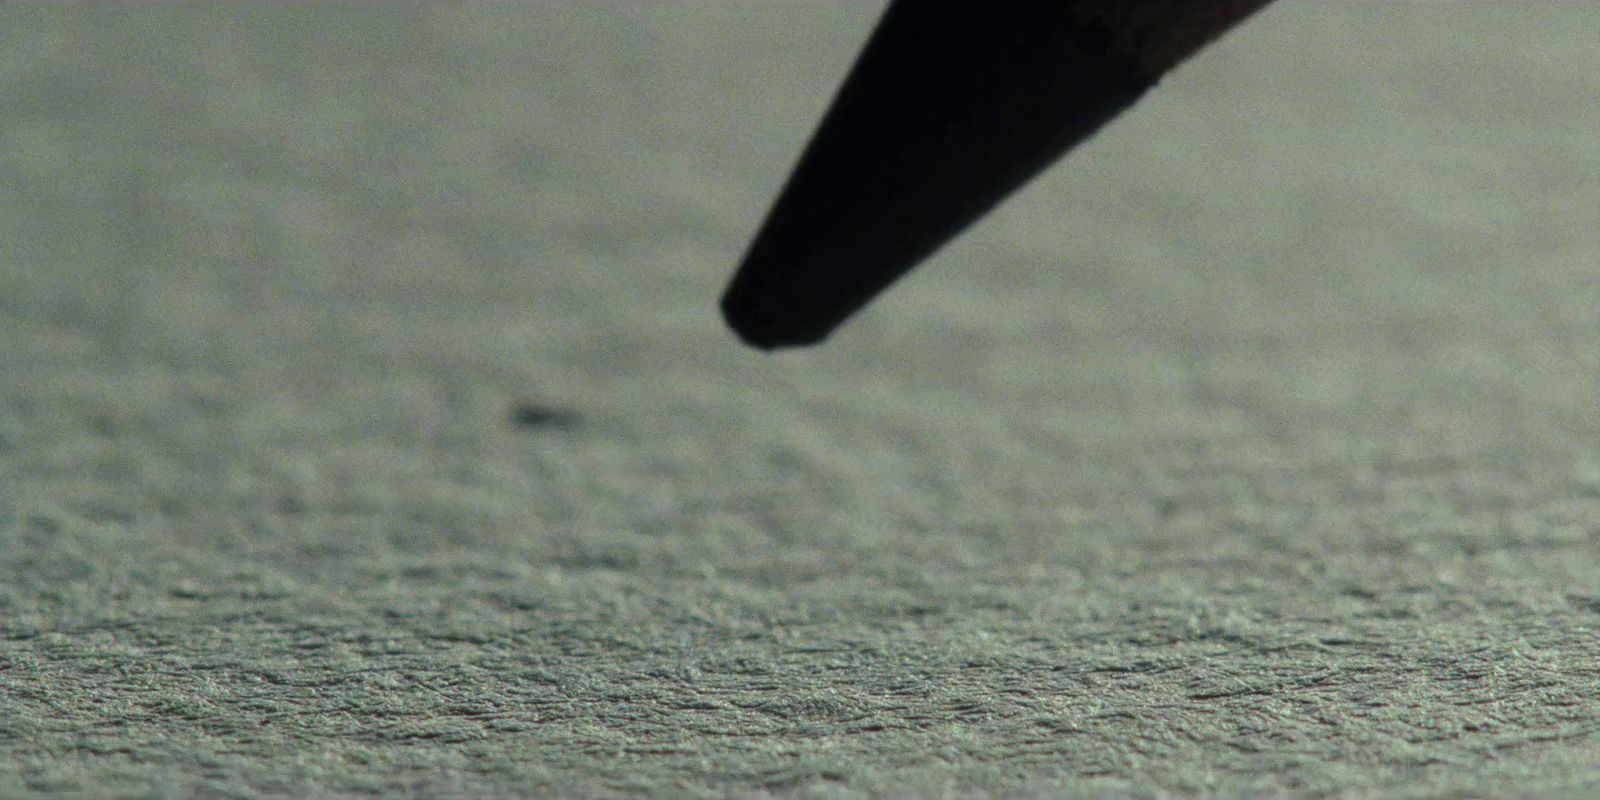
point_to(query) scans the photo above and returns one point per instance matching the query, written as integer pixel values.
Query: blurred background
(367, 424)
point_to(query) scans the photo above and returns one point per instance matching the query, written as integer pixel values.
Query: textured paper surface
(367, 425)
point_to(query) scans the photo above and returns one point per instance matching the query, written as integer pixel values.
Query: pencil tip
(949, 109)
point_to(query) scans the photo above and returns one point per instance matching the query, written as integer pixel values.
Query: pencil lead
(950, 107)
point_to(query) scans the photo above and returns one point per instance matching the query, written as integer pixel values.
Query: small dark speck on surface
(537, 415)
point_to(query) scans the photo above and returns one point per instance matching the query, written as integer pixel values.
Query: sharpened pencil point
(950, 108)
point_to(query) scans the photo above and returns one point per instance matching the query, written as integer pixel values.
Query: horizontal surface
(367, 424)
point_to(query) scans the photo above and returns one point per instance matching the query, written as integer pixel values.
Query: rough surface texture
(366, 424)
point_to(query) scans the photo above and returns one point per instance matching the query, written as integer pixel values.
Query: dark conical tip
(950, 108)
